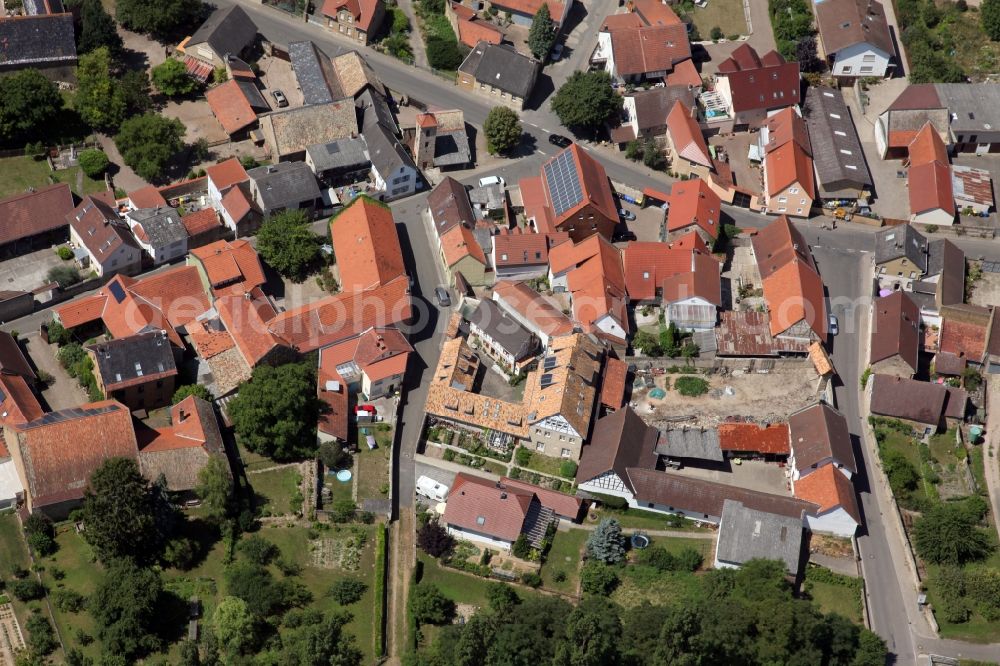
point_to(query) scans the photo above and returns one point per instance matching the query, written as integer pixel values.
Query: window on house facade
(846, 69)
(565, 453)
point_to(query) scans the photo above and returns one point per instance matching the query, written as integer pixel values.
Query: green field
(17, 174)
(460, 587)
(565, 555)
(642, 583)
(835, 593)
(726, 14)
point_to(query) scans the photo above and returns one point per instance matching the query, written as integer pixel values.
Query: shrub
(429, 606)
(64, 253)
(531, 579)
(523, 456)
(26, 589)
(433, 539)
(559, 576)
(342, 511)
(347, 591)
(599, 579)
(68, 601)
(94, 163)
(521, 547)
(443, 53)
(691, 386)
(716, 33)
(567, 469)
(41, 637)
(689, 559)
(40, 534)
(258, 550)
(64, 276)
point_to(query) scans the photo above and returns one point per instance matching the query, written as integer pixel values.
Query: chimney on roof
(503, 496)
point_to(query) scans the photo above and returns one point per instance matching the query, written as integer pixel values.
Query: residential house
(225, 181)
(746, 440)
(235, 104)
(965, 115)
(532, 311)
(149, 196)
(18, 405)
(393, 170)
(750, 86)
(565, 507)
(900, 257)
(340, 162)
(519, 254)
(159, 232)
(895, 338)
(461, 253)
(746, 534)
(503, 337)
(692, 299)
(793, 289)
(571, 194)
(358, 19)
(694, 206)
(169, 300)
(315, 73)
(468, 26)
(591, 271)
(632, 51)
(841, 171)
(973, 190)
(139, 370)
(45, 43)
(789, 185)
(647, 264)
(284, 186)
(448, 206)
(686, 148)
(441, 140)
(180, 451)
(500, 73)
(834, 494)
(228, 267)
(203, 226)
(289, 132)
(621, 440)
(367, 246)
(922, 405)
(854, 38)
(964, 331)
(819, 437)
(932, 198)
(497, 514)
(227, 32)
(34, 219)
(645, 113)
(523, 11)
(56, 453)
(103, 241)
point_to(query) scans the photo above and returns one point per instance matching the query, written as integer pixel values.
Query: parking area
(277, 74)
(648, 222)
(63, 392)
(29, 271)
(737, 147)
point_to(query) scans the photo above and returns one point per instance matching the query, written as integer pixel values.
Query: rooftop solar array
(549, 362)
(563, 181)
(116, 290)
(67, 415)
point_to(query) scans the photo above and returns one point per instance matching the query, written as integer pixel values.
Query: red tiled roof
(930, 188)
(147, 197)
(704, 281)
(785, 126)
(531, 7)
(230, 106)
(596, 279)
(201, 221)
(648, 264)
(524, 249)
(613, 383)
(19, 404)
(789, 165)
(363, 11)
(685, 74)
(246, 320)
(471, 30)
(654, 12)
(927, 146)
(692, 240)
(830, 489)
(770, 439)
(649, 49)
(32, 213)
(483, 506)
(230, 263)
(594, 187)
(777, 244)
(236, 203)
(962, 338)
(536, 204)
(226, 174)
(686, 136)
(693, 203)
(562, 504)
(622, 21)
(760, 83)
(531, 305)
(458, 243)
(61, 451)
(366, 245)
(793, 289)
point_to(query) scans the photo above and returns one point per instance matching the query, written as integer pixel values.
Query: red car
(364, 408)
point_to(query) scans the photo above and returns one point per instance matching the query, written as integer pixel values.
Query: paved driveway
(29, 271)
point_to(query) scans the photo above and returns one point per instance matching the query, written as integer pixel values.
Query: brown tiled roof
(963, 338)
(62, 449)
(896, 329)
(647, 49)
(561, 504)
(449, 205)
(531, 305)
(845, 23)
(654, 12)
(769, 439)
(355, 74)
(909, 399)
(230, 263)
(99, 227)
(295, 129)
(760, 83)
(182, 449)
(820, 432)
(32, 213)
(613, 383)
(706, 497)
(363, 11)
(947, 363)
(594, 187)
(366, 245)
(485, 506)
(12, 358)
(230, 106)
(524, 249)
(531, 7)
(829, 489)
(620, 441)
(572, 390)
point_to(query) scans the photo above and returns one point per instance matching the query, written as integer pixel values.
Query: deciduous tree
(948, 534)
(97, 99)
(119, 513)
(97, 29)
(286, 243)
(989, 17)
(172, 79)
(94, 162)
(586, 101)
(147, 143)
(233, 625)
(196, 390)
(161, 19)
(29, 102)
(429, 605)
(503, 130)
(215, 488)
(125, 607)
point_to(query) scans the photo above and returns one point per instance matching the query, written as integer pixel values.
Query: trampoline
(640, 541)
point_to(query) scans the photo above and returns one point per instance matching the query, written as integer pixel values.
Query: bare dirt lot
(767, 398)
(986, 290)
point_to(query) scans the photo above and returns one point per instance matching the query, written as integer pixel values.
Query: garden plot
(342, 551)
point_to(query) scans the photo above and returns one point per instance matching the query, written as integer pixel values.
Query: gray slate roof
(452, 149)
(123, 360)
(375, 109)
(162, 225)
(253, 95)
(386, 153)
(745, 534)
(831, 132)
(344, 153)
(699, 443)
(504, 330)
(284, 183)
(893, 243)
(227, 31)
(314, 73)
(975, 107)
(37, 40)
(502, 67)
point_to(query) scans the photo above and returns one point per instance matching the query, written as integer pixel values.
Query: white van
(431, 489)
(486, 181)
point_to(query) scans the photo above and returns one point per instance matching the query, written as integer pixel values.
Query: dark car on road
(559, 140)
(443, 298)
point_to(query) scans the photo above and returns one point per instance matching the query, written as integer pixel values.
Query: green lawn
(726, 14)
(638, 584)
(835, 593)
(276, 489)
(373, 466)
(253, 461)
(13, 553)
(460, 587)
(545, 464)
(637, 519)
(81, 574)
(978, 466)
(943, 448)
(897, 441)
(676, 544)
(565, 556)
(17, 174)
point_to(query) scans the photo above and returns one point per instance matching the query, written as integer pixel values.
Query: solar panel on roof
(549, 363)
(546, 380)
(563, 181)
(116, 290)
(3, 396)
